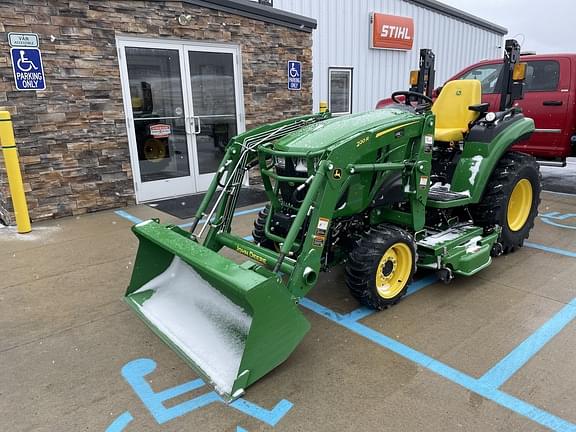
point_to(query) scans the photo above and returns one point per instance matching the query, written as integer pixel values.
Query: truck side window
(542, 75)
(487, 75)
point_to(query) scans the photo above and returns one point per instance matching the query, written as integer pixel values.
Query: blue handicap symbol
(294, 69)
(135, 372)
(28, 69)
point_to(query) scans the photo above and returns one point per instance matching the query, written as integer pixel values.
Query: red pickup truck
(549, 98)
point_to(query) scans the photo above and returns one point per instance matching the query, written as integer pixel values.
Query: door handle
(193, 124)
(552, 103)
(188, 125)
(197, 131)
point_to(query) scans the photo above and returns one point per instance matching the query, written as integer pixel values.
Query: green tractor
(415, 185)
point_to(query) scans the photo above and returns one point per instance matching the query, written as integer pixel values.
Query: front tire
(380, 267)
(511, 199)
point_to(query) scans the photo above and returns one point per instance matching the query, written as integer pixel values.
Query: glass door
(156, 116)
(215, 118)
(183, 105)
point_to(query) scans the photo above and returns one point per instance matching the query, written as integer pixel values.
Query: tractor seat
(451, 109)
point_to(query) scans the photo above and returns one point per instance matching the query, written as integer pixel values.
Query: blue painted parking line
(120, 423)
(550, 249)
(135, 220)
(486, 386)
(559, 193)
(512, 403)
(558, 215)
(363, 312)
(519, 356)
(560, 220)
(128, 216)
(556, 224)
(135, 373)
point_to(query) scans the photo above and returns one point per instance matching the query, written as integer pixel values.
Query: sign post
(10, 154)
(294, 75)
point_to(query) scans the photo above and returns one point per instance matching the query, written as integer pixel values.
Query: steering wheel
(409, 96)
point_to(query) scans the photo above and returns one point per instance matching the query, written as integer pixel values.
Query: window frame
(350, 71)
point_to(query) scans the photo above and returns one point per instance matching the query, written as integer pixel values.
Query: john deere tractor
(415, 185)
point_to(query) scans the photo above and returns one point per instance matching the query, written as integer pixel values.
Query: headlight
(280, 162)
(301, 165)
(490, 117)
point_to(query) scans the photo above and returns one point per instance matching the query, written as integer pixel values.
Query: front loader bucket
(230, 323)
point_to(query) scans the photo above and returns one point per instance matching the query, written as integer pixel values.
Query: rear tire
(380, 266)
(259, 232)
(511, 200)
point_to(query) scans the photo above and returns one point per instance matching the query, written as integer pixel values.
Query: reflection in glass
(212, 77)
(162, 149)
(211, 141)
(157, 107)
(214, 102)
(340, 92)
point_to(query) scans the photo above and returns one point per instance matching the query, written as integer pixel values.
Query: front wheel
(511, 199)
(380, 266)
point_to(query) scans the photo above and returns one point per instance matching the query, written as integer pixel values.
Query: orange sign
(391, 32)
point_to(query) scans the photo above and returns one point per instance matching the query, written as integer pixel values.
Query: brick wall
(72, 137)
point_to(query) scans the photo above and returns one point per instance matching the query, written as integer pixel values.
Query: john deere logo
(458, 92)
(337, 173)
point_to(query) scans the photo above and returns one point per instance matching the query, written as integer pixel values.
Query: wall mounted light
(184, 19)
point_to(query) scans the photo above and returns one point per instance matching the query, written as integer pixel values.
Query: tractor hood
(320, 136)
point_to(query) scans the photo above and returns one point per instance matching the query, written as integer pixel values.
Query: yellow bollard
(323, 106)
(10, 153)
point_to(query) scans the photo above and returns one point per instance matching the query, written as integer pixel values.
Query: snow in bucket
(209, 328)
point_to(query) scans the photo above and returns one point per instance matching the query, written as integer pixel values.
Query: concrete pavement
(71, 352)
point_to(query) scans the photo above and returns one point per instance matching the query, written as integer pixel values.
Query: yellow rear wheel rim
(519, 205)
(154, 150)
(393, 270)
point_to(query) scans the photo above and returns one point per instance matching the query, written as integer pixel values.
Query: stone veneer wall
(72, 137)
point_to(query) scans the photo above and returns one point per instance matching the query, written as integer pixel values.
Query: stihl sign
(391, 32)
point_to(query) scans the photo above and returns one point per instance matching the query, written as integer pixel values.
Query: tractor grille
(291, 167)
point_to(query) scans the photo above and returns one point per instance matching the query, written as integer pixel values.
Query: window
(542, 75)
(487, 75)
(340, 91)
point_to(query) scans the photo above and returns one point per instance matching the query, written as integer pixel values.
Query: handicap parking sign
(294, 75)
(28, 69)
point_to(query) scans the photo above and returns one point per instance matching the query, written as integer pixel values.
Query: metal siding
(342, 39)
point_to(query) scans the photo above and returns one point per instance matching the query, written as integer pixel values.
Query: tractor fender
(482, 152)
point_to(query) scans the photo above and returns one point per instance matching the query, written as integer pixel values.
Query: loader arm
(240, 153)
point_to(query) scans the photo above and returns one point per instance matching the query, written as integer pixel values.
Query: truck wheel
(258, 231)
(380, 266)
(511, 199)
